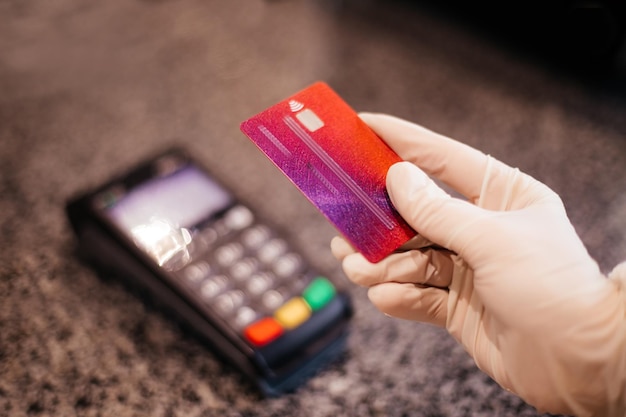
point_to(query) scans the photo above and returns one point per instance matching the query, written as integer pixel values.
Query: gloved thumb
(431, 211)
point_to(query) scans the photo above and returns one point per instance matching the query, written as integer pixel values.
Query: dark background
(89, 88)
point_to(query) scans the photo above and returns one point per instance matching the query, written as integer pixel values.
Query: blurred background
(87, 89)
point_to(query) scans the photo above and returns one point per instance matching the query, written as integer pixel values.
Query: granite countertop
(89, 88)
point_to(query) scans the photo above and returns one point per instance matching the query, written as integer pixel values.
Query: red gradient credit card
(337, 162)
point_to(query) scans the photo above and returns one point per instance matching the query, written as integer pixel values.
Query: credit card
(337, 162)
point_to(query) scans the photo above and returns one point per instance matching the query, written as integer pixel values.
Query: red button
(263, 331)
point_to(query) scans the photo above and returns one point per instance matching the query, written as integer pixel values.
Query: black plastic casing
(279, 367)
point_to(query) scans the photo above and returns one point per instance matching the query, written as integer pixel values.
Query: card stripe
(322, 178)
(274, 140)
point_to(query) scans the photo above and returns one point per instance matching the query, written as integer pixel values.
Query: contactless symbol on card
(337, 162)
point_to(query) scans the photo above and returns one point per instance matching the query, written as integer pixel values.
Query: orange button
(293, 313)
(263, 331)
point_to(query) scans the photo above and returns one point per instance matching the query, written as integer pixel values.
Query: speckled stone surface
(89, 88)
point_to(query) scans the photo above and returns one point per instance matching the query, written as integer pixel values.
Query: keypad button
(271, 250)
(221, 229)
(287, 265)
(319, 293)
(207, 235)
(238, 218)
(197, 272)
(213, 286)
(228, 254)
(273, 299)
(263, 331)
(293, 313)
(244, 316)
(243, 269)
(254, 237)
(227, 303)
(259, 283)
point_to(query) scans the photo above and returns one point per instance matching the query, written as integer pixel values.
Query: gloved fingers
(340, 248)
(411, 302)
(428, 268)
(430, 210)
(456, 164)
(465, 169)
(505, 188)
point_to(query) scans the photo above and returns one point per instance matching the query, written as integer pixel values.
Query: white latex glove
(516, 286)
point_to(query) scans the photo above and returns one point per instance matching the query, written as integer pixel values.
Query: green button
(319, 292)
